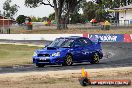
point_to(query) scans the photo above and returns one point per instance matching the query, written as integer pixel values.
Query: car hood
(51, 50)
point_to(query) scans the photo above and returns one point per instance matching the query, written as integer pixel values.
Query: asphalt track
(115, 55)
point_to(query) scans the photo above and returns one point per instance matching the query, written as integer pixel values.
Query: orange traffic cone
(84, 80)
(84, 73)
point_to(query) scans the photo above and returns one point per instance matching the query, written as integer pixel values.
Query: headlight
(56, 54)
(35, 54)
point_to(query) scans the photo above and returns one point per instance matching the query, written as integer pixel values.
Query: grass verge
(16, 54)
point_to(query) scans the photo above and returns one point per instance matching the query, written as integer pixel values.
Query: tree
(99, 1)
(44, 19)
(76, 18)
(63, 8)
(89, 10)
(52, 16)
(10, 11)
(20, 19)
(100, 15)
(110, 4)
(0, 13)
(36, 19)
(115, 3)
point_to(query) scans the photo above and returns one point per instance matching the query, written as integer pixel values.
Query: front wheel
(95, 58)
(40, 65)
(68, 61)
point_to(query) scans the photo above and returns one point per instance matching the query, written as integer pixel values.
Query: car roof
(72, 37)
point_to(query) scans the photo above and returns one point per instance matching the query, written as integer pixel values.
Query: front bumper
(48, 60)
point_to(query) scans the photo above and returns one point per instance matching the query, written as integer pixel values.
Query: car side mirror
(46, 45)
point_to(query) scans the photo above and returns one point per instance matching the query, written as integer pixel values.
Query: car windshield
(62, 42)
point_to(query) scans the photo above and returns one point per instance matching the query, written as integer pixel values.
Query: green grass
(16, 54)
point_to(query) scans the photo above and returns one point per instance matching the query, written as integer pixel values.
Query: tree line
(67, 11)
(9, 10)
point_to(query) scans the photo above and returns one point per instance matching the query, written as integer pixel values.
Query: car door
(87, 48)
(78, 51)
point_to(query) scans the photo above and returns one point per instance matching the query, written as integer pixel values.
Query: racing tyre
(40, 65)
(95, 59)
(68, 61)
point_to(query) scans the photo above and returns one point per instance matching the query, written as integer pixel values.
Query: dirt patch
(62, 79)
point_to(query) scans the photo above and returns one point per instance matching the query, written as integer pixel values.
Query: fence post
(0, 30)
(8, 30)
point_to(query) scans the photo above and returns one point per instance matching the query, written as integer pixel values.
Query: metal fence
(126, 24)
(5, 30)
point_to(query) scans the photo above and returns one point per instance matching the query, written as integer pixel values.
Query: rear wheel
(40, 65)
(95, 59)
(68, 61)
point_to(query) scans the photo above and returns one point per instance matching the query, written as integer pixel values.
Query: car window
(67, 43)
(61, 43)
(85, 42)
(78, 43)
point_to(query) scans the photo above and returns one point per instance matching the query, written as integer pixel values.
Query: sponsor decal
(107, 37)
(86, 35)
(85, 81)
(127, 37)
(110, 82)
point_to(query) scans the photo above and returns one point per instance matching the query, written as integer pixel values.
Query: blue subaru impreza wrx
(68, 50)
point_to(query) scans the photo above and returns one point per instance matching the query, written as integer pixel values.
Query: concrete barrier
(51, 37)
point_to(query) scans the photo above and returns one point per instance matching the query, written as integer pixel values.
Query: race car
(68, 50)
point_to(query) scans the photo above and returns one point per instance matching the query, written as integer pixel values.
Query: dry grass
(62, 79)
(71, 31)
